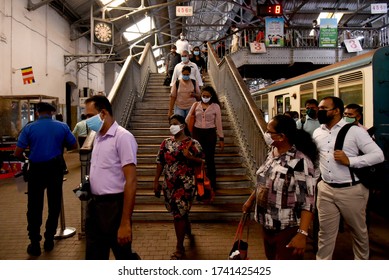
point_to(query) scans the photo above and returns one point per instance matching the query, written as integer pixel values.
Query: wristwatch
(303, 232)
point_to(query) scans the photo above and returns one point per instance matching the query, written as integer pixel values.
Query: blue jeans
(181, 112)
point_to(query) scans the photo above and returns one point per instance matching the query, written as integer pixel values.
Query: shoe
(34, 249)
(48, 245)
(65, 171)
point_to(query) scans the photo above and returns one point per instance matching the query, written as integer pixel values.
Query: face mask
(205, 100)
(268, 139)
(196, 52)
(185, 77)
(175, 128)
(311, 113)
(184, 59)
(349, 120)
(95, 123)
(322, 117)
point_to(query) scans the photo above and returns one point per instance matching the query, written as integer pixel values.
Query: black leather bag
(167, 81)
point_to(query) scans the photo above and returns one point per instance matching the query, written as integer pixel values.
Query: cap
(45, 107)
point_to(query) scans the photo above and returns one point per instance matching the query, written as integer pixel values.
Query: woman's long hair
(298, 137)
(212, 91)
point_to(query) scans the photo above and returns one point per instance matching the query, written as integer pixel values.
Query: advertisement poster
(274, 33)
(328, 32)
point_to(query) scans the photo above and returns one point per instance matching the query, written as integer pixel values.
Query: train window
(323, 93)
(288, 107)
(351, 94)
(351, 88)
(279, 101)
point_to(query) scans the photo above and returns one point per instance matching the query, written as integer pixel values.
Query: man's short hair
(101, 102)
(45, 107)
(186, 68)
(356, 107)
(174, 47)
(338, 103)
(312, 101)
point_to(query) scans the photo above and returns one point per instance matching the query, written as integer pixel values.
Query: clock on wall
(103, 32)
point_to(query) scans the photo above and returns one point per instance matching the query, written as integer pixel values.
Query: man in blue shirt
(45, 139)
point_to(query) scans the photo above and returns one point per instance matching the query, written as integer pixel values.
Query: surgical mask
(268, 139)
(196, 52)
(175, 128)
(322, 117)
(95, 123)
(184, 59)
(349, 120)
(205, 100)
(185, 77)
(311, 113)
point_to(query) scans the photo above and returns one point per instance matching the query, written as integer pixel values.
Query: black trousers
(47, 175)
(103, 216)
(207, 138)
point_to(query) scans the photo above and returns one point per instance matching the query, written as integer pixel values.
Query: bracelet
(303, 232)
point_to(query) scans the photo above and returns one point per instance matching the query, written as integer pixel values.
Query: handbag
(203, 185)
(167, 81)
(240, 247)
(192, 119)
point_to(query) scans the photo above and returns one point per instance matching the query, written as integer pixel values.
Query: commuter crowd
(304, 180)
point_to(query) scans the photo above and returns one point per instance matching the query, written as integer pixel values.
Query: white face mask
(205, 100)
(175, 128)
(268, 139)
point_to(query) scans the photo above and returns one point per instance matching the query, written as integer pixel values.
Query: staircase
(149, 124)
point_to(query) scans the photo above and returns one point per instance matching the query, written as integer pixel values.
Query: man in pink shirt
(113, 184)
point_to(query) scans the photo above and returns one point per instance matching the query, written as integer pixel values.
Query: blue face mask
(185, 77)
(196, 52)
(184, 59)
(95, 123)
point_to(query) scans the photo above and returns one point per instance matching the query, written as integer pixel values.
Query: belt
(342, 185)
(108, 197)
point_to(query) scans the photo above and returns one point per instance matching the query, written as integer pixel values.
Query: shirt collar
(111, 131)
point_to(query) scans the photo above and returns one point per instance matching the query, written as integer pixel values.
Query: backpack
(193, 81)
(370, 176)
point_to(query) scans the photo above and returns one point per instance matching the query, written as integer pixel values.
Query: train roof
(345, 65)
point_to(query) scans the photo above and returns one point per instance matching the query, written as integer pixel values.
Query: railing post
(85, 156)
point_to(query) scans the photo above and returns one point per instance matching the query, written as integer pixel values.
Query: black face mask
(311, 113)
(322, 117)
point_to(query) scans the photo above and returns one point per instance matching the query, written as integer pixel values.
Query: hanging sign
(184, 11)
(379, 8)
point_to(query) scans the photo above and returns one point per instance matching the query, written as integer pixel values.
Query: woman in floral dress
(176, 160)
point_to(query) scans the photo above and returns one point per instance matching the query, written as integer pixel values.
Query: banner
(27, 75)
(328, 32)
(274, 32)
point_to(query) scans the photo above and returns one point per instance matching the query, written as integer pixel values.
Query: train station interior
(64, 51)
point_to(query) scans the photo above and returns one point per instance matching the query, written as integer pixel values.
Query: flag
(27, 75)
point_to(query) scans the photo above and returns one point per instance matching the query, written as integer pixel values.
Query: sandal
(177, 255)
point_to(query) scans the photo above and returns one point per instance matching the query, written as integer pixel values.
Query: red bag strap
(239, 230)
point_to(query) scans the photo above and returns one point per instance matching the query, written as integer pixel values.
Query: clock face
(103, 32)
